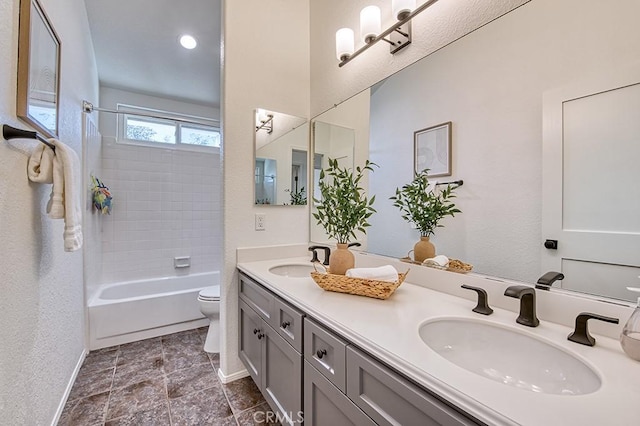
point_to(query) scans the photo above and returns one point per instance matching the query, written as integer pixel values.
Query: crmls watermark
(269, 417)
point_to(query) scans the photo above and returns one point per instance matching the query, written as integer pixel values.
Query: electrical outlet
(261, 221)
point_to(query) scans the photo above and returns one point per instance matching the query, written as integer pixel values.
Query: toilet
(209, 301)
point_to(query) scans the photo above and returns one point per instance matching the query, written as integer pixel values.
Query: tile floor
(167, 380)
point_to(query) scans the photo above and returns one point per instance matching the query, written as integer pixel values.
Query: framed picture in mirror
(432, 150)
(38, 69)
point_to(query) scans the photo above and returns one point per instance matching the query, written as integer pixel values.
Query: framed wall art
(38, 69)
(432, 150)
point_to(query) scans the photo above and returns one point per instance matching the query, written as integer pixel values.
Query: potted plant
(343, 209)
(424, 207)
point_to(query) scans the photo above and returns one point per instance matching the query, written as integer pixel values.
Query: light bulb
(402, 8)
(370, 23)
(188, 42)
(344, 43)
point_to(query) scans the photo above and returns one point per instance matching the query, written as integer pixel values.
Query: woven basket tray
(358, 286)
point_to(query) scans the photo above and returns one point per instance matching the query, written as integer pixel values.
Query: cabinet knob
(260, 336)
(321, 352)
(285, 324)
(256, 330)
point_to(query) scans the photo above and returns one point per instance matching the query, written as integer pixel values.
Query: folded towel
(382, 273)
(62, 168)
(40, 165)
(440, 260)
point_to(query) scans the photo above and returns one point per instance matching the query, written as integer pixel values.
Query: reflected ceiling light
(188, 42)
(370, 29)
(264, 121)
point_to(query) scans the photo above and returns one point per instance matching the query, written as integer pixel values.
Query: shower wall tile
(167, 203)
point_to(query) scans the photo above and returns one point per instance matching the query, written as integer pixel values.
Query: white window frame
(175, 119)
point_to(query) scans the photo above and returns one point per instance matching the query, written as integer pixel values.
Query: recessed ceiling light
(188, 42)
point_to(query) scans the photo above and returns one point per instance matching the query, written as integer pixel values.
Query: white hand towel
(65, 198)
(40, 165)
(440, 260)
(382, 273)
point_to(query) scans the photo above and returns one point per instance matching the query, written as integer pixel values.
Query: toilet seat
(210, 294)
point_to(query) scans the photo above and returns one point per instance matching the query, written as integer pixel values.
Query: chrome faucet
(527, 296)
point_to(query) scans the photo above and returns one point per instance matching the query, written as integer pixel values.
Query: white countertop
(388, 329)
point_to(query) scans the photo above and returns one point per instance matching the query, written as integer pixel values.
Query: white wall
(42, 306)
(166, 202)
(266, 64)
(490, 84)
(434, 28)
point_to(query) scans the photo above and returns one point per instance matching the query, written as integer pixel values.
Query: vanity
(332, 358)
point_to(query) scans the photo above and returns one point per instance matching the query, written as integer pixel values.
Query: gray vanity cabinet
(389, 399)
(273, 363)
(342, 385)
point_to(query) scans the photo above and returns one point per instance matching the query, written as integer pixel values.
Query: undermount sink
(508, 356)
(292, 270)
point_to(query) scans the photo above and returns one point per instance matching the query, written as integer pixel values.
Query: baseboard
(232, 377)
(67, 391)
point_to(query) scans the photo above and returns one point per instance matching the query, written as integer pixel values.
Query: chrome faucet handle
(483, 300)
(527, 296)
(581, 332)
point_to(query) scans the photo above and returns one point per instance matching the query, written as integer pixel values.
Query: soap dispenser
(630, 337)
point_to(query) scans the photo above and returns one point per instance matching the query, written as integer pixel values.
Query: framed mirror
(280, 161)
(38, 69)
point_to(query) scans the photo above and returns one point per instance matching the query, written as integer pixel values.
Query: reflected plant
(344, 206)
(298, 198)
(424, 206)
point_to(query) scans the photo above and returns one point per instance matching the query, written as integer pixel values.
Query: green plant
(344, 207)
(424, 207)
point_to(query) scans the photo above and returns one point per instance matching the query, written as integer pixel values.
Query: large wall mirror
(38, 69)
(281, 151)
(491, 85)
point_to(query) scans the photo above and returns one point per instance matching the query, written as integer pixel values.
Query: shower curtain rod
(89, 108)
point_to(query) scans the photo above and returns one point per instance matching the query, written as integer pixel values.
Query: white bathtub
(134, 310)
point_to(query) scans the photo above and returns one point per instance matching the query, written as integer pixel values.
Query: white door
(591, 183)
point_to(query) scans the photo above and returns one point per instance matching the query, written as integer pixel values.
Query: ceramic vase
(423, 249)
(341, 260)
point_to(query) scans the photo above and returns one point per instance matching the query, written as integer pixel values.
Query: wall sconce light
(370, 29)
(264, 121)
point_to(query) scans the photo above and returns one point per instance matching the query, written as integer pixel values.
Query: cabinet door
(325, 405)
(251, 330)
(389, 399)
(282, 377)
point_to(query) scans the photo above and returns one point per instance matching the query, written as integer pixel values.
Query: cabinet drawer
(390, 399)
(287, 321)
(325, 405)
(257, 298)
(326, 352)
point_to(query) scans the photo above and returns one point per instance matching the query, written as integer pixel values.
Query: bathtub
(135, 310)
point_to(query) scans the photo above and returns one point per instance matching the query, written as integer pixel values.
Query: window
(150, 131)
